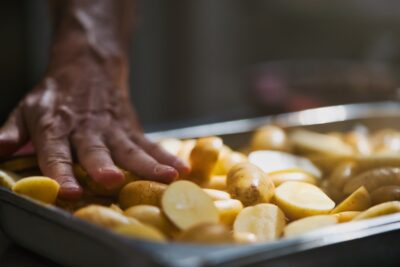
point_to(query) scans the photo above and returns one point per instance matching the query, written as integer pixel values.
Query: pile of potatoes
(284, 184)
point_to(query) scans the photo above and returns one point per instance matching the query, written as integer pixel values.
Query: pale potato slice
(379, 210)
(217, 182)
(320, 143)
(309, 224)
(186, 148)
(270, 137)
(265, 221)
(280, 177)
(206, 233)
(39, 188)
(217, 194)
(141, 231)
(359, 200)
(171, 145)
(275, 161)
(228, 210)
(8, 179)
(186, 205)
(346, 216)
(298, 200)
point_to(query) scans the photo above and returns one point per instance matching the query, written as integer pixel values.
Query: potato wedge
(226, 160)
(185, 150)
(309, 224)
(206, 233)
(217, 194)
(265, 221)
(228, 210)
(385, 194)
(270, 137)
(379, 210)
(217, 182)
(249, 184)
(280, 177)
(359, 200)
(342, 174)
(186, 205)
(346, 216)
(153, 216)
(373, 179)
(141, 193)
(141, 231)
(103, 216)
(39, 188)
(299, 200)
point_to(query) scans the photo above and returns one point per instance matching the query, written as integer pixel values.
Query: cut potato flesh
(379, 210)
(243, 238)
(171, 145)
(186, 205)
(298, 200)
(39, 188)
(274, 161)
(265, 221)
(141, 231)
(359, 200)
(309, 224)
(217, 182)
(228, 210)
(280, 177)
(217, 194)
(346, 216)
(206, 233)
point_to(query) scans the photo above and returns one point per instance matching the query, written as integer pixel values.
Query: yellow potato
(359, 200)
(386, 140)
(280, 177)
(228, 210)
(335, 194)
(249, 184)
(346, 216)
(39, 188)
(359, 142)
(385, 194)
(19, 164)
(373, 179)
(379, 210)
(141, 231)
(186, 205)
(103, 216)
(185, 150)
(217, 194)
(265, 221)
(376, 161)
(298, 200)
(171, 145)
(270, 138)
(116, 208)
(8, 179)
(217, 182)
(342, 174)
(206, 233)
(320, 143)
(153, 216)
(309, 224)
(141, 193)
(203, 159)
(243, 238)
(226, 160)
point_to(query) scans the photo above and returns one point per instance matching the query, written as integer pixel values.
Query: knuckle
(57, 158)
(94, 149)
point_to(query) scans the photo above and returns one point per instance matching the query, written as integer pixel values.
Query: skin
(81, 107)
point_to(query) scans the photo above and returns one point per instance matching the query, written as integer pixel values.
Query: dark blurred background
(196, 61)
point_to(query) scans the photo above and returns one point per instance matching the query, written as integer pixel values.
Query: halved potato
(308, 224)
(359, 200)
(228, 210)
(39, 188)
(379, 210)
(141, 193)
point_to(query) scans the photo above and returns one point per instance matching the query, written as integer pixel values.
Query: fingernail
(165, 171)
(182, 166)
(110, 177)
(70, 191)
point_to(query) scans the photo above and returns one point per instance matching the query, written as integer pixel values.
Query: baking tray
(57, 235)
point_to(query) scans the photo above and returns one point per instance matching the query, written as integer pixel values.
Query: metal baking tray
(57, 235)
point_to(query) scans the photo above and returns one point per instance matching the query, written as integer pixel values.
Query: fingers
(133, 158)
(162, 156)
(55, 161)
(96, 160)
(13, 134)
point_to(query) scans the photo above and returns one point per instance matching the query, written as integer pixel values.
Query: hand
(82, 109)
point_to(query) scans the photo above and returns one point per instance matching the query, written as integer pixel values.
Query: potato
(359, 142)
(226, 160)
(309, 224)
(186, 205)
(116, 208)
(320, 143)
(171, 145)
(373, 179)
(206, 233)
(141, 193)
(379, 210)
(270, 138)
(342, 174)
(280, 177)
(153, 216)
(385, 194)
(141, 231)
(359, 200)
(217, 194)
(335, 194)
(249, 184)
(39, 188)
(265, 221)
(185, 150)
(228, 210)
(103, 216)
(386, 140)
(298, 200)
(376, 161)
(346, 216)
(242, 238)
(203, 159)
(217, 182)
(19, 164)
(8, 179)
(274, 161)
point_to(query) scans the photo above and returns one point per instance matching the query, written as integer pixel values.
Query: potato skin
(385, 194)
(39, 188)
(249, 184)
(141, 193)
(270, 137)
